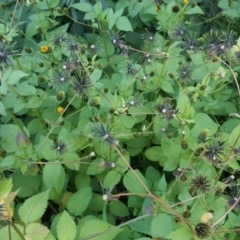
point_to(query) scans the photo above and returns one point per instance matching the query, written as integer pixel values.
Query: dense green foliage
(119, 119)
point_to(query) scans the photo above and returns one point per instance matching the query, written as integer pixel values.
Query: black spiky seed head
(203, 230)
(199, 183)
(59, 146)
(3, 153)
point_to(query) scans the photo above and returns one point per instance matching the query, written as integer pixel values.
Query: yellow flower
(186, 1)
(44, 49)
(60, 110)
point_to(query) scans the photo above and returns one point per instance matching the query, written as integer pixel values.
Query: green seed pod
(41, 65)
(33, 169)
(60, 96)
(203, 135)
(186, 214)
(3, 153)
(184, 144)
(27, 50)
(171, 75)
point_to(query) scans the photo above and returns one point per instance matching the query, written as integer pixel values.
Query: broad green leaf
(234, 138)
(5, 188)
(66, 227)
(142, 225)
(132, 183)
(2, 110)
(118, 209)
(162, 184)
(92, 227)
(4, 232)
(152, 174)
(162, 225)
(83, 6)
(202, 120)
(79, 201)
(167, 87)
(123, 24)
(28, 184)
(111, 179)
(34, 102)
(54, 179)
(36, 231)
(8, 161)
(33, 208)
(25, 89)
(8, 135)
(180, 233)
(16, 76)
(194, 10)
(153, 153)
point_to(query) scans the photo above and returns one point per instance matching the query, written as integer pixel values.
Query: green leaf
(36, 231)
(79, 201)
(25, 89)
(34, 102)
(132, 184)
(5, 188)
(111, 179)
(118, 209)
(123, 24)
(8, 135)
(162, 225)
(167, 87)
(202, 120)
(162, 184)
(153, 153)
(33, 208)
(194, 10)
(16, 76)
(91, 227)
(66, 227)
(54, 179)
(83, 6)
(28, 184)
(90, 15)
(4, 232)
(2, 110)
(180, 233)
(152, 174)
(234, 138)
(141, 226)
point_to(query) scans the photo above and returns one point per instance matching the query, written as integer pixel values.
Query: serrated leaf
(132, 183)
(16, 76)
(92, 227)
(180, 233)
(5, 188)
(4, 232)
(234, 139)
(123, 24)
(2, 110)
(112, 178)
(153, 153)
(118, 209)
(83, 6)
(161, 225)
(29, 184)
(36, 231)
(54, 178)
(66, 227)
(33, 208)
(79, 201)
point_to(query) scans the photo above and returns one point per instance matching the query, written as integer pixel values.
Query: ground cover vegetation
(119, 119)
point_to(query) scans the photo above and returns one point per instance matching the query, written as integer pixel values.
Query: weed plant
(119, 120)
